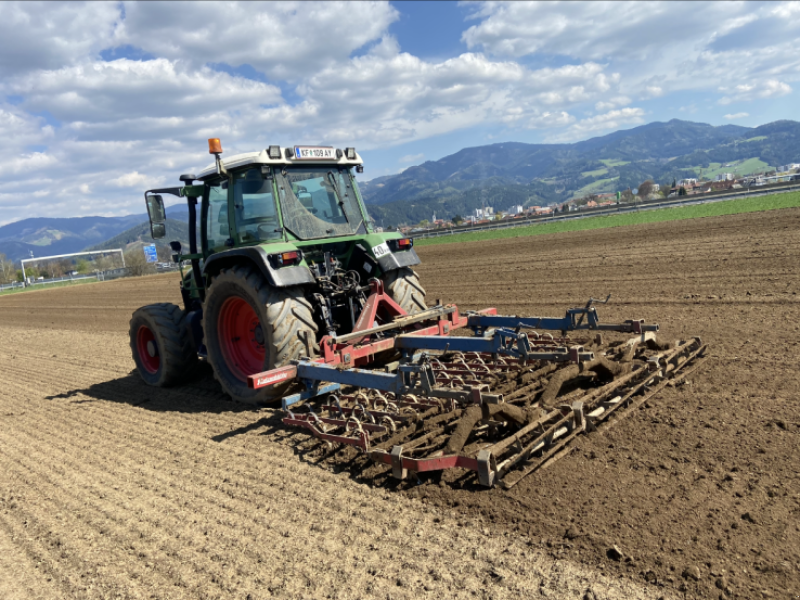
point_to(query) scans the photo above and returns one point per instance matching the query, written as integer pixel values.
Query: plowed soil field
(112, 489)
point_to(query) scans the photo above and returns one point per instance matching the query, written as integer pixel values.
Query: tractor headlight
(350, 153)
(274, 152)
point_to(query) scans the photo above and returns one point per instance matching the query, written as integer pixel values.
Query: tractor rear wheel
(161, 346)
(251, 327)
(404, 287)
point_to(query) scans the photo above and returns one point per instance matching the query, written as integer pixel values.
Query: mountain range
(510, 173)
(46, 236)
(497, 175)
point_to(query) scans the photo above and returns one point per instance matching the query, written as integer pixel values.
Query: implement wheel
(160, 344)
(251, 327)
(404, 287)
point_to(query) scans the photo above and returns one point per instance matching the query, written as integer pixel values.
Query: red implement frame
(358, 351)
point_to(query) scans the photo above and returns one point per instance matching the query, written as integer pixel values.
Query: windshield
(318, 202)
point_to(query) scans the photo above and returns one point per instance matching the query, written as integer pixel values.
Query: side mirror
(157, 215)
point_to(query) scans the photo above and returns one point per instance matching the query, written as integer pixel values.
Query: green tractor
(284, 258)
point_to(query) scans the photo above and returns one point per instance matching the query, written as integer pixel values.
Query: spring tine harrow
(503, 403)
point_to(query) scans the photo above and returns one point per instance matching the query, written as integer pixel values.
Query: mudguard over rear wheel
(404, 287)
(252, 327)
(161, 345)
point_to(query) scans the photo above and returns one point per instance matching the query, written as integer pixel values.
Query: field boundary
(711, 208)
(48, 286)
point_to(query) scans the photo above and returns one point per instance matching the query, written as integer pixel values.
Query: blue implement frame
(572, 321)
(502, 341)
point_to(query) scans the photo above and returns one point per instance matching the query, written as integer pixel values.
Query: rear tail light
(287, 259)
(401, 244)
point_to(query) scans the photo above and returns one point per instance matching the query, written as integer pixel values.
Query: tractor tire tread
(405, 288)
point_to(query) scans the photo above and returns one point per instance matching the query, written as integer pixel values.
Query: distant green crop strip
(716, 209)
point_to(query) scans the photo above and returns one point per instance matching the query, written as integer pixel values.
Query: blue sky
(100, 101)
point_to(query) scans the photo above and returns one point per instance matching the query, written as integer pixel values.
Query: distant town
(647, 191)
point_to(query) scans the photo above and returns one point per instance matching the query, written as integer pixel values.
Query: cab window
(254, 209)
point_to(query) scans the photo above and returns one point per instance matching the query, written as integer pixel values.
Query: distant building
(787, 168)
(484, 213)
(516, 210)
(686, 182)
(724, 177)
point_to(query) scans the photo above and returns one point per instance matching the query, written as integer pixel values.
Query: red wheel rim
(241, 338)
(148, 349)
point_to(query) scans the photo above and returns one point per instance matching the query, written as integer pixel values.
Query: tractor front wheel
(251, 327)
(161, 345)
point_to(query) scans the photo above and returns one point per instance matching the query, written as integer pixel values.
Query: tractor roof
(287, 156)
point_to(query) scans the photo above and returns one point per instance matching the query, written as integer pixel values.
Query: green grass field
(746, 167)
(597, 187)
(610, 162)
(595, 173)
(716, 209)
(47, 286)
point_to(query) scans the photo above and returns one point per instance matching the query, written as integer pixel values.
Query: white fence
(11, 286)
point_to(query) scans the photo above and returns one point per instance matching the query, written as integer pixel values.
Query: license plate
(314, 153)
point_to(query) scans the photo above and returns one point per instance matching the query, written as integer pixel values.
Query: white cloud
(134, 179)
(48, 35)
(123, 90)
(653, 91)
(612, 103)
(656, 45)
(25, 163)
(746, 92)
(411, 158)
(420, 98)
(587, 30)
(614, 119)
(286, 40)
(550, 120)
(740, 115)
(19, 129)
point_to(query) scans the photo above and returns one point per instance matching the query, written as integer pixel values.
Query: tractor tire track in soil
(110, 488)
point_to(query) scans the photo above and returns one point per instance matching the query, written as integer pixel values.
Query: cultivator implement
(502, 402)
